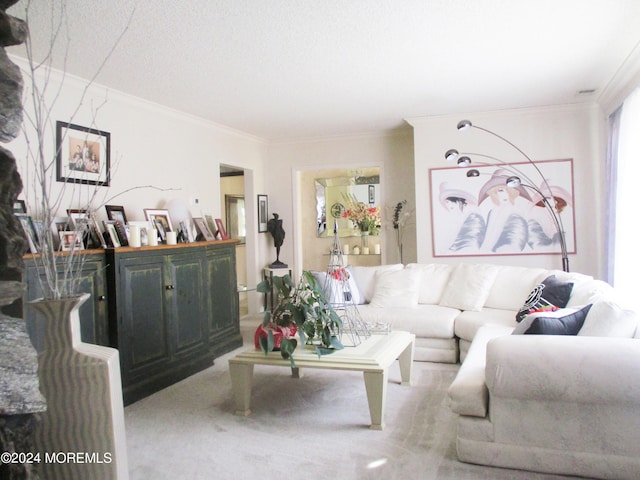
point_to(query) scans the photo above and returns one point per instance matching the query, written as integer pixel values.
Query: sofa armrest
(468, 393)
(593, 370)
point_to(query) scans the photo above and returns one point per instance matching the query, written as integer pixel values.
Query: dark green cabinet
(94, 320)
(171, 312)
(222, 297)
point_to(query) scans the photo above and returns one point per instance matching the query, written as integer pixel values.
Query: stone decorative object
(19, 392)
(20, 398)
(13, 31)
(12, 238)
(83, 388)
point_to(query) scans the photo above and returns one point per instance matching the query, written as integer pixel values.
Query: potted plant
(300, 309)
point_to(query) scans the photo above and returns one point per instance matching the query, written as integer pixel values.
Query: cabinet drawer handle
(170, 287)
(102, 298)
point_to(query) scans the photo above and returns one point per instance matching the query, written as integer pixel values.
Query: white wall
(393, 153)
(576, 132)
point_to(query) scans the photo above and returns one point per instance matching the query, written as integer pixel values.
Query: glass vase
(364, 238)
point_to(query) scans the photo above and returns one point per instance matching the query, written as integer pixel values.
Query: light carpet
(314, 427)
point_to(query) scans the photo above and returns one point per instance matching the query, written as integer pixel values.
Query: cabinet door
(94, 321)
(224, 321)
(188, 317)
(143, 338)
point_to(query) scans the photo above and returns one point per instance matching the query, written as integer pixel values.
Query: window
(624, 152)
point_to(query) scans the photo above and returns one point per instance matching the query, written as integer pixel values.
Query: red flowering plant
(365, 218)
(301, 310)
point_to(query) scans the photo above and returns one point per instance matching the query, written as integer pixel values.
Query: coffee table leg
(241, 376)
(376, 385)
(406, 364)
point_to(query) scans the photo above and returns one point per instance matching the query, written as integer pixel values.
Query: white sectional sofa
(566, 404)
(444, 305)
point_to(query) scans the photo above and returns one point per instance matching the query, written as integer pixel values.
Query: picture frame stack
(81, 230)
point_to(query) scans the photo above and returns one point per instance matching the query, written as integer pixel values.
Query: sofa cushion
(430, 321)
(512, 285)
(365, 279)
(396, 288)
(468, 322)
(566, 321)
(468, 286)
(608, 319)
(550, 294)
(590, 291)
(433, 280)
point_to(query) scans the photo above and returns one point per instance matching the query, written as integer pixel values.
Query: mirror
(234, 209)
(331, 194)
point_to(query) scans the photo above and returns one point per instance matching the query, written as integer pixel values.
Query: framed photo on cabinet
(116, 212)
(71, 240)
(30, 231)
(203, 230)
(161, 221)
(19, 206)
(111, 233)
(221, 229)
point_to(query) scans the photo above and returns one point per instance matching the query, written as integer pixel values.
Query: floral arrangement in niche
(366, 218)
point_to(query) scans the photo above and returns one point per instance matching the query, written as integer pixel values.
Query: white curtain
(626, 262)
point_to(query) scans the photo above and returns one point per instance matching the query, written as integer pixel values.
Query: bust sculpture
(274, 227)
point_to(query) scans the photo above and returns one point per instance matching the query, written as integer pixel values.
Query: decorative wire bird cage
(338, 291)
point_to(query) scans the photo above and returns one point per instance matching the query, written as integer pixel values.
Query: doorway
(232, 195)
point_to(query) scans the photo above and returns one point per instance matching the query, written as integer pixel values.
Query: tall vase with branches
(58, 273)
(400, 218)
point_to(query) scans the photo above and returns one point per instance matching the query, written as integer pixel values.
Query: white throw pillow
(512, 287)
(396, 288)
(365, 278)
(469, 286)
(608, 319)
(433, 280)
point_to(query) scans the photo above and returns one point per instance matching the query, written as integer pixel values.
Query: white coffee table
(372, 357)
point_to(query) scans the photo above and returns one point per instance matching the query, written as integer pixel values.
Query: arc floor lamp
(549, 201)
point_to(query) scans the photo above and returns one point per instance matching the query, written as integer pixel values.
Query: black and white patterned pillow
(550, 295)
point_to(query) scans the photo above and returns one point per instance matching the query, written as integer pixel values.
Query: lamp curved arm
(557, 220)
(502, 163)
(466, 124)
(452, 153)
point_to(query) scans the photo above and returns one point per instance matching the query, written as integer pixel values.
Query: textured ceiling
(284, 69)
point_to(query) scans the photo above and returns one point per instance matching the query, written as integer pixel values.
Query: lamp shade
(513, 181)
(464, 125)
(451, 154)
(464, 161)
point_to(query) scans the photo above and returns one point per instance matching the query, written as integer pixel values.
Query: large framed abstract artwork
(481, 215)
